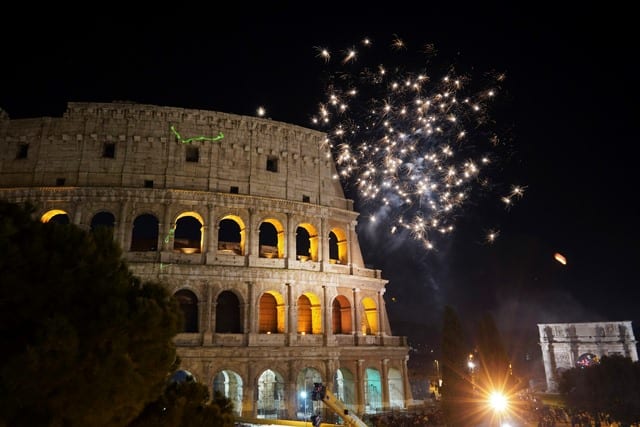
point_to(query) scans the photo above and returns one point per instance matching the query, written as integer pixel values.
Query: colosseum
(245, 222)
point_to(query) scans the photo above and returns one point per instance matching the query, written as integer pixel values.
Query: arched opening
(372, 391)
(189, 305)
(271, 239)
(370, 318)
(303, 246)
(344, 386)
(271, 395)
(304, 315)
(144, 236)
(56, 216)
(229, 384)
(587, 359)
(231, 235)
(228, 314)
(338, 246)
(103, 220)
(271, 313)
(396, 389)
(187, 237)
(341, 315)
(304, 385)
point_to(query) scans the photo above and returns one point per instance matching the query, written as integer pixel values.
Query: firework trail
(414, 147)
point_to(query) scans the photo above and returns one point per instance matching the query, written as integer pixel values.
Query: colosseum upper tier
(244, 221)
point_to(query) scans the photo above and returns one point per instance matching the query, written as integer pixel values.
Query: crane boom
(321, 393)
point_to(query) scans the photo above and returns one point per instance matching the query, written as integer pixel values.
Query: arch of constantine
(569, 345)
(245, 222)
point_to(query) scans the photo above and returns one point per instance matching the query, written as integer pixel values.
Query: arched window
(56, 216)
(268, 241)
(304, 315)
(189, 305)
(103, 219)
(188, 235)
(144, 236)
(228, 313)
(268, 314)
(370, 318)
(230, 236)
(341, 315)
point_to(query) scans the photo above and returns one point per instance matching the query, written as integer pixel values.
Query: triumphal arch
(569, 345)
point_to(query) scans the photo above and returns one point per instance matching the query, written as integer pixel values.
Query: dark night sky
(567, 104)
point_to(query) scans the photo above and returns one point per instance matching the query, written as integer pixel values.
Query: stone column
(384, 369)
(356, 314)
(123, 224)
(250, 311)
(290, 327)
(326, 318)
(360, 386)
(210, 319)
(381, 314)
(406, 386)
(210, 234)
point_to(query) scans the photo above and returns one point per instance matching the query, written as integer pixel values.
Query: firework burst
(414, 147)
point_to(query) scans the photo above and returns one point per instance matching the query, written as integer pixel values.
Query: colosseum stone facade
(245, 222)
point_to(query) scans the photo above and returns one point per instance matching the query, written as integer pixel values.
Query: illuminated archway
(271, 239)
(309, 314)
(271, 313)
(307, 242)
(372, 391)
(338, 246)
(341, 315)
(270, 395)
(304, 385)
(56, 216)
(370, 318)
(229, 384)
(396, 388)
(231, 235)
(344, 387)
(188, 236)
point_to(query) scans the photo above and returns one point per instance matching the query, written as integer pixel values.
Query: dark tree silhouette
(456, 388)
(84, 342)
(609, 388)
(186, 403)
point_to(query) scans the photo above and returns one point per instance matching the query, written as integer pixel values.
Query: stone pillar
(351, 236)
(210, 244)
(291, 392)
(124, 223)
(406, 386)
(210, 319)
(323, 242)
(290, 326)
(381, 314)
(166, 229)
(326, 317)
(360, 385)
(250, 311)
(356, 314)
(384, 370)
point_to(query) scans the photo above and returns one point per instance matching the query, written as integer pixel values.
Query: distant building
(244, 221)
(568, 345)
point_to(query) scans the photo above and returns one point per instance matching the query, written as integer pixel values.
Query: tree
(494, 366)
(84, 342)
(611, 387)
(186, 403)
(456, 387)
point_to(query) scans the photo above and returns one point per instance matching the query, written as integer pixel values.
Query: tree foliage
(456, 387)
(494, 371)
(85, 343)
(610, 387)
(186, 404)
